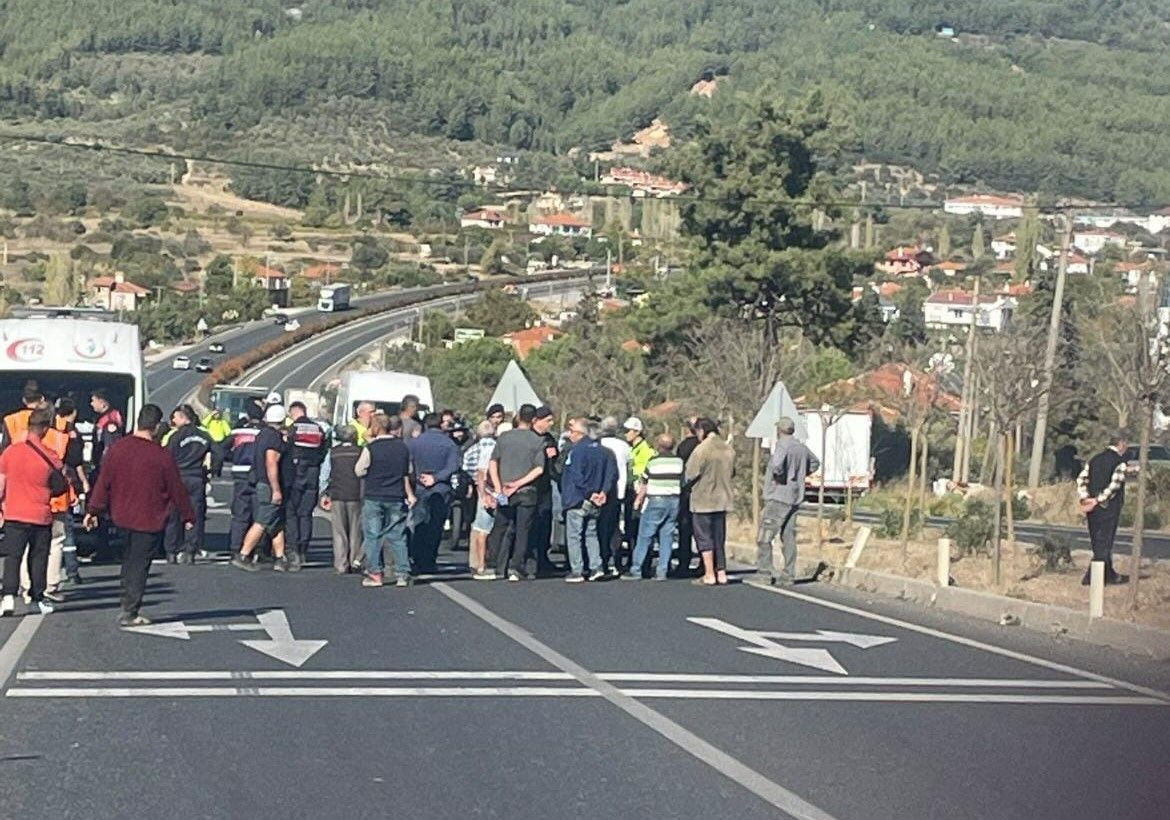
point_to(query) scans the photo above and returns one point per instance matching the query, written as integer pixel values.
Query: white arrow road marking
(852, 638)
(280, 644)
(764, 643)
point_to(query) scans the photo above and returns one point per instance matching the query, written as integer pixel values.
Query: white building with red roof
(560, 224)
(1094, 241)
(953, 308)
(482, 218)
(989, 205)
(642, 183)
(115, 293)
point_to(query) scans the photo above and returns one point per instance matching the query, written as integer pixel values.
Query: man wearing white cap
(270, 473)
(641, 451)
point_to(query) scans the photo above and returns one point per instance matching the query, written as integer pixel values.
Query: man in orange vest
(16, 424)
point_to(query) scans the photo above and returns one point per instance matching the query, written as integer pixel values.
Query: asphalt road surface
(306, 696)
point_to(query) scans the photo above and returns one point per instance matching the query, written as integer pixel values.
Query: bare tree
(1013, 384)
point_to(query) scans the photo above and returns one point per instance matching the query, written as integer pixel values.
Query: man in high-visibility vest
(66, 444)
(16, 424)
(218, 428)
(361, 423)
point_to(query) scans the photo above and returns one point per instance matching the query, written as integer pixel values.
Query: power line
(416, 180)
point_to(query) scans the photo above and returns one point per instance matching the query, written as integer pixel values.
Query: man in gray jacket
(790, 464)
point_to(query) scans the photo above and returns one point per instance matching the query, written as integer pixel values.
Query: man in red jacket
(137, 486)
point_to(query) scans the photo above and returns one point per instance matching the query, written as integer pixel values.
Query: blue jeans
(385, 520)
(659, 517)
(581, 526)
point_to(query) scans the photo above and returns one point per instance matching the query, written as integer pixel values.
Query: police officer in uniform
(308, 451)
(190, 446)
(240, 454)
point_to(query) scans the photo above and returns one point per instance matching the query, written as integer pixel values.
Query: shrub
(890, 522)
(973, 531)
(1055, 551)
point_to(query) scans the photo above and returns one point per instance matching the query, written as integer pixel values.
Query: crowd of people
(395, 488)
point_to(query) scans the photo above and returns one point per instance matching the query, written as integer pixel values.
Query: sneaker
(372, 579)
(574, 579)
(172, 559)
(185, 558)
(1117, 580)
(7, 605)
(245, 563)
(295, 563)
(513, 576)
(45, 608)
(486, 575)
(133, 620)
(613, 572)
(281, 564)
(404, 581)
(54, 597)
(597, 575)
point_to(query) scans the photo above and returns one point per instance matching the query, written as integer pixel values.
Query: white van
(71, 357)
(385, 388)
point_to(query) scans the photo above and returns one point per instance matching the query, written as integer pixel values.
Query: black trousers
(302, 499)
(136, 555)
(180, 539)
(1102, 531)
(424, 540)
(540, 536)
(242, 492)
(686, 536)
(509, 540)
(18, 537)
(609, 533)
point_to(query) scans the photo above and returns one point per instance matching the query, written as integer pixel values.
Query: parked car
(279, 318)
(204, 365)
(181, 363)
(215, 347)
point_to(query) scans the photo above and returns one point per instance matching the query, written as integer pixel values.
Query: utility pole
(962, 444)
(1041, 430)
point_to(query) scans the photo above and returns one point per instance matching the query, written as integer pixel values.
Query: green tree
(1027, 238)
(944, 242)
(497, 313)
(757, 254)
(146, 211)
(978, 242)
(219, 276)
(436, 326)
(60, 281)
(368, 255)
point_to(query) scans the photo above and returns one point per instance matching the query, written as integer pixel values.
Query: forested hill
(1068, 96)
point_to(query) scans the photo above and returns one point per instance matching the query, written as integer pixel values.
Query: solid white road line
(17, 642)
(574, 692)
(612, 677)
(771, 792)
(959, 639)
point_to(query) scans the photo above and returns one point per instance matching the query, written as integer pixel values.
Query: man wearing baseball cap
(270, 473)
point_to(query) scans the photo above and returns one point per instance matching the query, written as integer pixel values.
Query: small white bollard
(1096, 589)
(859, 543)
(944, 562)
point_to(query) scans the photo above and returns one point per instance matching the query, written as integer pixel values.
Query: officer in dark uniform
(190, 446)
(109, 427)
(308, 451)
(241, 449)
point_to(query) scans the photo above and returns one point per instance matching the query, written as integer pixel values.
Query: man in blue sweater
(589, 471)
(436, 459)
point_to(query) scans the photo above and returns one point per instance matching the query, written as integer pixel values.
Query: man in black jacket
(342, 499)
(190, 446)
(1101, 487)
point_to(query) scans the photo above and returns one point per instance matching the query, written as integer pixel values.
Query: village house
(527, 340)
(116, 294)
(954, 309)
(322, 274)
(275, 282)
(905, 260)
(1004, 247)
(482, 218)
(989, 205)
(1094, 241)
(560, 224)
(949, 267)
(642, 183)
